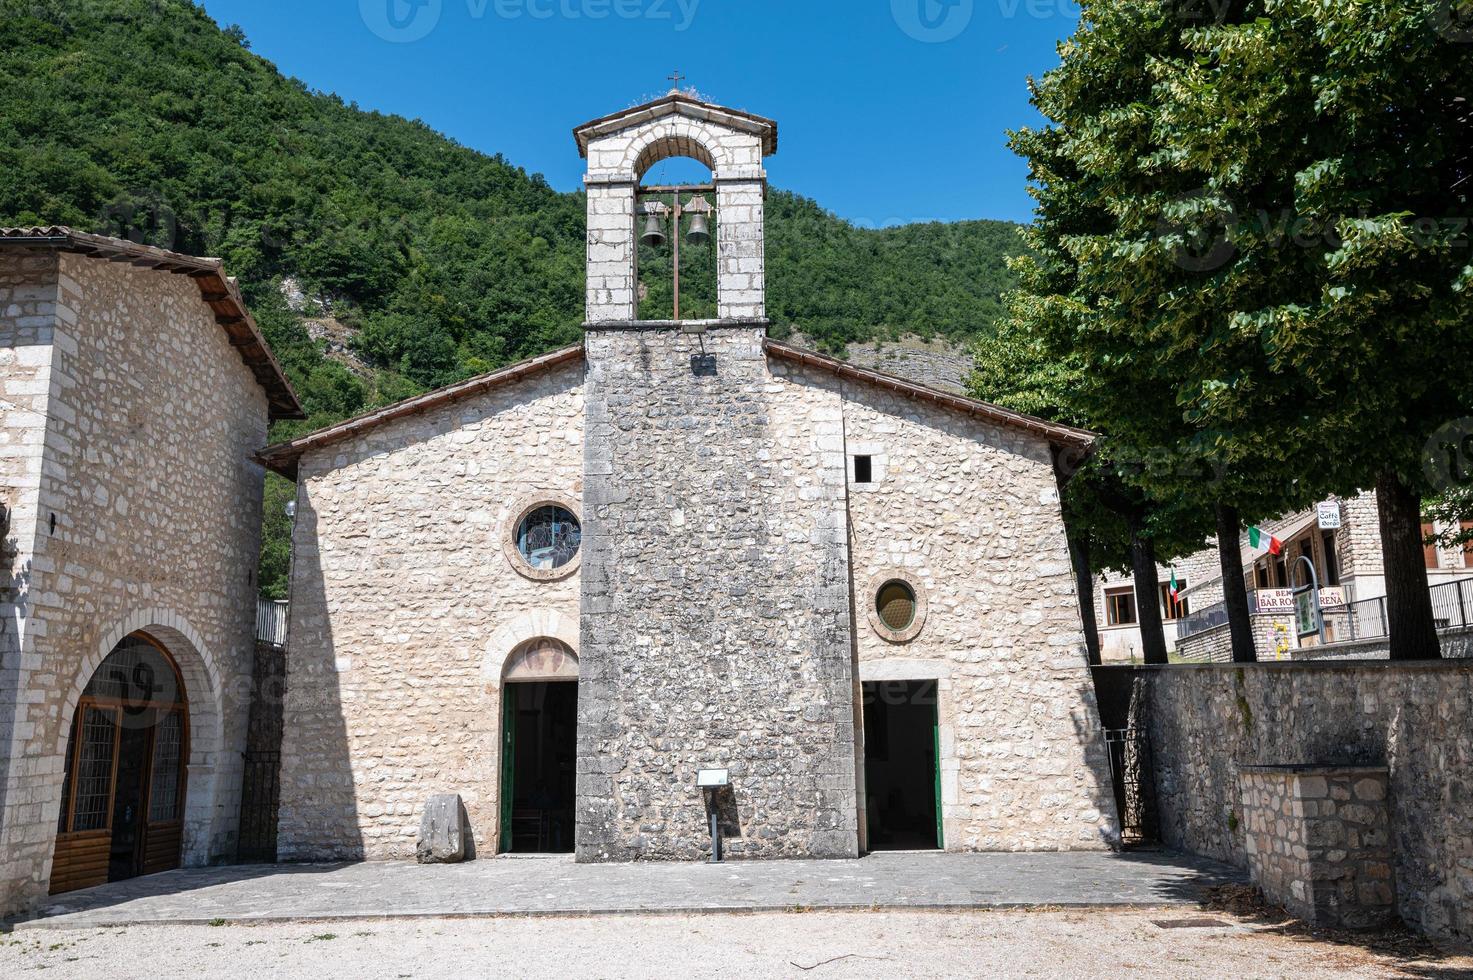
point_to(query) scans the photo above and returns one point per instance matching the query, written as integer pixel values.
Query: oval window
(548, 537)
(896, 604)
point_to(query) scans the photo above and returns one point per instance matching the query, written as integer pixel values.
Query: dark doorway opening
(902, 777)
(125, 860)
(539, 767)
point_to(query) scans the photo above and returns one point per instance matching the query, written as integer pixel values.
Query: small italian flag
(1175, 587)
(1256, 535)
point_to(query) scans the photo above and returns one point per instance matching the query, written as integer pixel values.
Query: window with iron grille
(163, 793)
(896, 603)
(99, 732)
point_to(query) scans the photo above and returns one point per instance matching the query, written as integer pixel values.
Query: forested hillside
(145, 119)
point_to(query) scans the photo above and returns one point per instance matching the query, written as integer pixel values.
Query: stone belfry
(715, 610)
(621, 148)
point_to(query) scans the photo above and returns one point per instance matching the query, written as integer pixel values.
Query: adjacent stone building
(565, 590)
(135, 390)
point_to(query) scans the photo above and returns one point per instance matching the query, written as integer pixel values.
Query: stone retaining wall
(1317, 842)
(1207, 722)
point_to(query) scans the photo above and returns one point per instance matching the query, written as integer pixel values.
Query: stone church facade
(562, 590)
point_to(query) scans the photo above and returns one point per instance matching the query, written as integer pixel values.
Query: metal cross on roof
(675, 80)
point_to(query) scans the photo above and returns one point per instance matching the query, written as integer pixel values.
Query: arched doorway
(539, 747)
(122, 800)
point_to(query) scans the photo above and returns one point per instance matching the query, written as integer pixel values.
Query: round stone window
(897, 608)
(896, 604)
(544, 540)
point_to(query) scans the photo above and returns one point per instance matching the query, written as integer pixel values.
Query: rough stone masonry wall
(1317, 841)
(151, 422)
(716, 605)
(27, 322)
(405, 607)
(968, 513)
(1414, 718)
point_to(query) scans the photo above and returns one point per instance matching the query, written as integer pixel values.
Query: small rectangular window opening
(864, 469)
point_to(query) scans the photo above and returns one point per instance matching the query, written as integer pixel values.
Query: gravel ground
(814, 944)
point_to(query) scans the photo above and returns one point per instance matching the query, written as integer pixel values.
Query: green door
(936, 766)
(508, 761)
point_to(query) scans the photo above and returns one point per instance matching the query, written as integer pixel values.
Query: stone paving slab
(557, 886)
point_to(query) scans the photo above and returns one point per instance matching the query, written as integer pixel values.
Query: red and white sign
(1276, 600)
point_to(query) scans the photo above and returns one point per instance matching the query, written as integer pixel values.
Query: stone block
(442, 831)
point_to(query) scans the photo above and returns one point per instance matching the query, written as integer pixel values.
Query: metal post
(1462, 605)
(675, 236)
(715, 827)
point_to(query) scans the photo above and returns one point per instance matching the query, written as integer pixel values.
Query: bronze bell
(654, 233)
(700, 230)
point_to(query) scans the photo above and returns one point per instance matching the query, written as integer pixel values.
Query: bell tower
(708, 640)
(622, 147)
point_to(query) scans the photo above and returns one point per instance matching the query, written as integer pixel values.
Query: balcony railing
(271, 621)
(1452, 605)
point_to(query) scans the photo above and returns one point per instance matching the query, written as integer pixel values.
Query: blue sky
(890, 111)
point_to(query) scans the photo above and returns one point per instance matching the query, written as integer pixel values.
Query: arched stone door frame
(501, 666)
(199, 673)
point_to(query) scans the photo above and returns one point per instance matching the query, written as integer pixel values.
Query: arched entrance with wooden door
(122, 804)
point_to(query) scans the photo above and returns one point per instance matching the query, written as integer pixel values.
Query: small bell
(654, 233)
(700, 230)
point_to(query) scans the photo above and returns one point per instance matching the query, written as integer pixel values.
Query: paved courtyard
(557, 886)
(1108, 943)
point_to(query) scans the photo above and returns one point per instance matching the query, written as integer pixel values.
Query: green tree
(1182, 250)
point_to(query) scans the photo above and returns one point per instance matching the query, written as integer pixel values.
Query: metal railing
(1452, 604)
(271, 621)
(1210, 617)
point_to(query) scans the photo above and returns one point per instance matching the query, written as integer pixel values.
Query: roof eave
(217, 290)
(678, 103)
(284, 457)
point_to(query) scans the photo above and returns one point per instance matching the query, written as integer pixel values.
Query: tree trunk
(1234, 591)
(1085, 584)
(1147, 585)
(1408, 601)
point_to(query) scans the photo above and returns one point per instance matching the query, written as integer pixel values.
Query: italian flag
(1256, 535)
(1175, 588)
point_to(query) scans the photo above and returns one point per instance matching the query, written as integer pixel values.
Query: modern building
(564, 590)
(1341, 539)
(135, 391)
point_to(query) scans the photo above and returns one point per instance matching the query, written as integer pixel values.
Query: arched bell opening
(539, 748)
(122, 807)
(675, 212)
